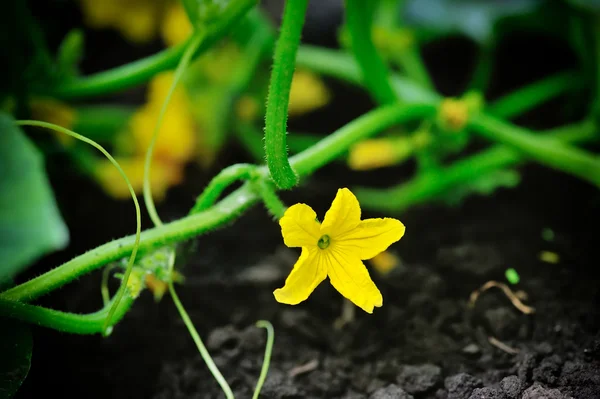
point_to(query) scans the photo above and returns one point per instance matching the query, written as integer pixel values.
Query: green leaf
(70, 53)
(485, 184)
(30, 222)
(16, 345)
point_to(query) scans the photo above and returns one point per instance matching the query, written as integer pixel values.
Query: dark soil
(423, 343)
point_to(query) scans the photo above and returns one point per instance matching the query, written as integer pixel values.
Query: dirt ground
(425, 342)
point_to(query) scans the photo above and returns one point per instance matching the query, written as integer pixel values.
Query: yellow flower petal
(343, 216)
(299, 226)
(176, 27)
(350, 277)
(307, 93)
(307, 274)
(371, 237)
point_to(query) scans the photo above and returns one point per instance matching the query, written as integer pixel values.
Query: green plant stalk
(138, 218)
(530, 96)
(219, 183)
(546, 150)
(337, 143)
(272, 202)
(92, 323)
(191, 8)
(427, 187)
(200, 345)
(140, 71)
(267, 360)
(279, 94)
(483, 68)
(222, 212)
(374, 72)
(184, 62)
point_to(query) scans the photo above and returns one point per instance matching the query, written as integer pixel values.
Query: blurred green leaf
(486, 184)
(473, 18)
(70, 53)
(30, 222)
(16, 345)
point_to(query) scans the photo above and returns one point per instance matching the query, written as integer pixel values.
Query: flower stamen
(323, 241)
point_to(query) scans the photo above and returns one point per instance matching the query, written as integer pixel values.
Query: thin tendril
(138, 216)
(183, 64)
(104, 286)
(195, 336)
(268, 350)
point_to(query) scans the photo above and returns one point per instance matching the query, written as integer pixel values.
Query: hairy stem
(224, 211)
(92, 323)
(279, 94)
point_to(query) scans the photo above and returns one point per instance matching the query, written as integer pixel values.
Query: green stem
(197, 39)
(267, 360)
(138, 217)
(279, 94)
(224, 211)
(273, 203)
(92, 323)
(546, 150)
(334, 145)
(483, 68)
(375, 73)
(140, 71)
(428, 187)
(200, 345)
(219, 183)
(532, 95)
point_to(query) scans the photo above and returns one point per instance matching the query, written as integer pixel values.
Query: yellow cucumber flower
(335, 249)
(308, 93)
(176, 26)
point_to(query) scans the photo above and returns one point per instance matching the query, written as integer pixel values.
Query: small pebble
(419, 379)
(461, 385)
(487, 393)
(511, 386)
(390, 392)
(539, 392)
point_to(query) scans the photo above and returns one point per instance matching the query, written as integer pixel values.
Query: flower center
(323, 241)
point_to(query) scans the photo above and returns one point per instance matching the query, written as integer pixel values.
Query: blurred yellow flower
(136, 20)
(176, 26)
(379, 153)
(308, 93)
(177, 137)
(385, 262)
(163, 176)
(454, 114)
(335, 249)
(175, 146)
